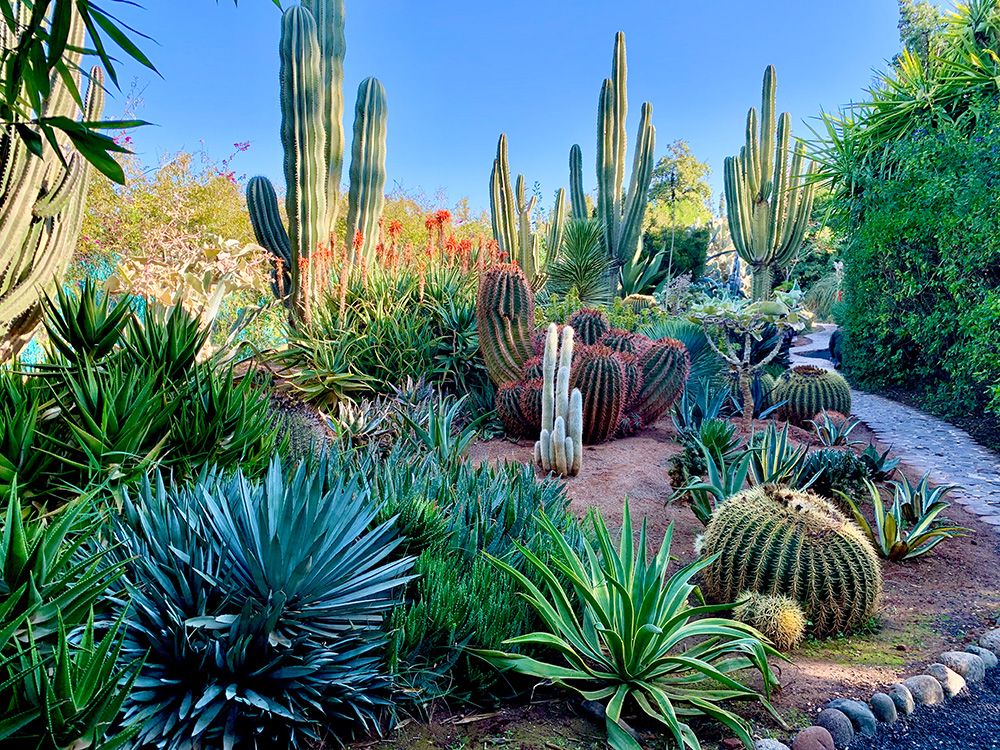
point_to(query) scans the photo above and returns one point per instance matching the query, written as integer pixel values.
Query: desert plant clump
(505, 314)
(777, 541)
(808, 390)
(590, 325)
(779, 618)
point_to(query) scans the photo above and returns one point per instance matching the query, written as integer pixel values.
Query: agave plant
(441, 432)
(917, 502)
(28, 449)
(259, 605)
(628, 636)
(834, 432)
(776, 461)
(698, 404)
(725, 479)
(81, 328)
(360, 423)
(167, 341)
(890, 536)
(879, 467)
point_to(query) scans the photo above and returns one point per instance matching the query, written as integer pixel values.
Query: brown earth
(930, 604)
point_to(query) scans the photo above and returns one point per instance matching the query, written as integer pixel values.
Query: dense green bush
(690, 250)
(921, 275)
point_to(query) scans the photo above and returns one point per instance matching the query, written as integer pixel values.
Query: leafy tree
(679, 194)
(920, 27)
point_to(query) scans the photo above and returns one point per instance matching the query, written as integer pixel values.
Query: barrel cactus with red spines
(665, 368)
(532, 368)
(508, 404)
(622, 341)
(505, 316)
(599, 373)
(531, 405)
(589, 326)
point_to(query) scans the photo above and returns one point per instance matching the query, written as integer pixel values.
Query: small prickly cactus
(780, 542)
(307, 435)
(779, 618)
(532, 368)
(808, 390)
(621, 341)
(600, 375)
(665, 368)
(505, 315)
(560, 442)
(640, 302)
(509, 410)
(590, 326)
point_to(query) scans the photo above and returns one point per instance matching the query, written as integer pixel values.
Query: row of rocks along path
(925, 442)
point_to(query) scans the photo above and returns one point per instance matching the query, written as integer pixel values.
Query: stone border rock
(841, 719)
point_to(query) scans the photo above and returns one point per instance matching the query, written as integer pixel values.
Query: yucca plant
(167, 341)
(259, 605)
(582, 264)
(28, 440)
(890, 536)
(81, 328)
(833, 431)
(917, 502)
(725, 478)
(627, 635)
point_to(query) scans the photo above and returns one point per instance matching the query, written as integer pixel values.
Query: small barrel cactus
(779, 618)
(505, 315)
(589, 325)
(599, 373)
(781, 542)
(508, 403)
(665, 368)
(640, 302)
(532, 368)
(808, 390)
(531, 405)
(621, 341)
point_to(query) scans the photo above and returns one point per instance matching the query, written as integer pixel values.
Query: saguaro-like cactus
(560, 442)
(42, 200)
(312, 53)
(621, 213)
(768, 204)
(505, 317)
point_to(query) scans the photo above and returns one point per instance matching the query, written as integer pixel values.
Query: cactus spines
(640, 302)
(262, 204)
(768, 203)
(557, 228)
(808, 390)
(633, 377)
(531, 405)
(779, 618)
(366, 196)
(590, 325)
(505, 316)
(532, 368)
(42, 198)
(621, 341)
(600, 376)
(781, 542)
(665, 368)
(509, 410)
(558, 446)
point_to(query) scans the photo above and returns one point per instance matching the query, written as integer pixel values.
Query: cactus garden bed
(928, 604)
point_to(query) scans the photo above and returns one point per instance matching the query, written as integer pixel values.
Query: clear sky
(459, 73)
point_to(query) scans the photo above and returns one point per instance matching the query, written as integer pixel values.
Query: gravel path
(966, 722)
(927, 443)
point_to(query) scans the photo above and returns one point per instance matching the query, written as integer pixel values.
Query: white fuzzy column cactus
(560, 443)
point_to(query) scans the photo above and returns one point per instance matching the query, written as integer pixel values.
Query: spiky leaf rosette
(621, 341)
(509, 409)
(531, 405)
(589, 326)
(505, 315)
(599, 373)
(780, 618)
(532, 368)
(665, 368)
(777, 541)
(808, 390)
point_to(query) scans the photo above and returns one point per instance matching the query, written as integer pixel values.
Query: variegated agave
(260, 607)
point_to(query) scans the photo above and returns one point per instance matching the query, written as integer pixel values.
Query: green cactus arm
(303, 103)
(751, 154)
(780, 191)
(557, 228)
(502, 202)
(262, 205)
(619, 78)
(576, 194)
(737, 209)
(642, 175)
(366, 198)
(527, 244)
(606, 186)
(330, 23)
(767, 131)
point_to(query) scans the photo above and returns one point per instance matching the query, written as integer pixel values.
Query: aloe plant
(769, 202)
(628, 636)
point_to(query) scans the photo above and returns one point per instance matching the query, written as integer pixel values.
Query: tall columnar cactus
(600, 376)
(808, 390)
(560, 443)
(621, 213)
(768, 203)
(312, 51)
(590, 325)
(776, 541)
(510, 212)
(505, 317)
(42, 199)
(665, 369)
(576, 195)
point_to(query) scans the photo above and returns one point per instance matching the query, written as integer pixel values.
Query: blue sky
(457, 74)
